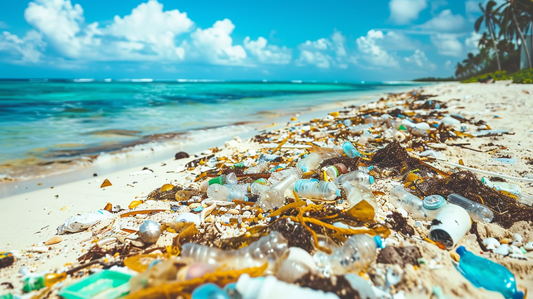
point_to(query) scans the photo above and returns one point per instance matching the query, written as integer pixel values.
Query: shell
(298, 263)
(503, 249)
(528, 246)
(53, 240)
(515, 250)
(517, 240)
(491, 243)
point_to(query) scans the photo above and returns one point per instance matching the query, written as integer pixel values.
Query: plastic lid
(338, 192)
(433, 202)
(461, 250)
(371, 179)
(303, 168)
(379, 242)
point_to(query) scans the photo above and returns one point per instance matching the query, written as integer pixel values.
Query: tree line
(506, 26)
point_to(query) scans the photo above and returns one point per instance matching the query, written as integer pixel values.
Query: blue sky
(235, 40)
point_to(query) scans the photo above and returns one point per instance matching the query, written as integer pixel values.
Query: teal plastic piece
(483, 273)
(106, 284)
(209, 291)
(350, 150)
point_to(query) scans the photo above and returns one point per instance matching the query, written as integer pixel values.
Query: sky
(342, 40)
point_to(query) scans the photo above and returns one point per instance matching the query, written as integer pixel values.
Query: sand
(29, 219)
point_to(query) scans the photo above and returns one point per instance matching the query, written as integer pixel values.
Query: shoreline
(31, 218)
(153, 152)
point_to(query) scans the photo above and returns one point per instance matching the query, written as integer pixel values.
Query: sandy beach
(32, 218)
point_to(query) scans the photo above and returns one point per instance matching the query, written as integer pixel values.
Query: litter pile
(353, 205)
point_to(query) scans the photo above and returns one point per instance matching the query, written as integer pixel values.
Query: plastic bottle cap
(433, 202)
(338, 192)
(304, 168)
(461, 250)
(379, 242)
(371, 179)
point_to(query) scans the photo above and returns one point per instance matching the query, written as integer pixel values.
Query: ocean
(54, 126)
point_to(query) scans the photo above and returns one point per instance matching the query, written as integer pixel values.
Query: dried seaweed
(506, 209)
(395, 157)
(295, 233)
(335, 284)
(399, 223)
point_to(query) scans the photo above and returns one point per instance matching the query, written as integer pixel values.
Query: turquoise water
(78, 120)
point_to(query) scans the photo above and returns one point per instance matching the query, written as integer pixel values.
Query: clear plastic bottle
(223, 193)
(280, 175)
(357, 253)
(258, 188)
(487, 274)
(269, 287)
(268, 249)
(410, 203)
(477, 211)
(225, 179)
(310, 162)
(336, 170)
(316, 189)
(350, 150)
(356, 193)
(357, 175)
(259, 168)
(360, 128)
(275, 195)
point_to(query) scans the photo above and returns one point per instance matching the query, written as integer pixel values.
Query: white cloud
(215, 44)
(324, 52)
(471, 42)
(447, 44)
(419, 58)
(372, 53)
(268, 54)
(446, 21)
(151, 28)
(472, 10)
(24, 50)
(397, 41)
(405, 11)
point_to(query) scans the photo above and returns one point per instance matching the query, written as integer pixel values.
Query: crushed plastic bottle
(316, 189)
(275, 195)
(357, 253)
(229, 179)
(410, 203)
(487, 274)
(477, 211)
(356, 193)
(268, 249)
(223, 193)
(357, 175)
(257, 188)
(259, 168)
(269, 287)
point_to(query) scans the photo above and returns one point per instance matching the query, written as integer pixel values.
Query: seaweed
(337, 285)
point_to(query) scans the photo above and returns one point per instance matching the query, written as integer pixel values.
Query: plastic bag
(81, 222)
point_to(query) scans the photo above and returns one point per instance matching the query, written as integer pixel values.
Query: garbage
(6, 259)
(452, 223)
(315, 189)
(81, 222)
(34, 282)
(356, 192)
(477, 211)
(150, 231)
(105, 284)
(487, 274)
(106, 183)
(274, 196)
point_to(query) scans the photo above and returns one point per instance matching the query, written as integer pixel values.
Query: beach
(31, 218)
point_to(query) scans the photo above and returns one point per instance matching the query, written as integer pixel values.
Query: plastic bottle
(280, 175)
(356, 193)
(258, 188)
(334, 171)
(410, 203)
(229, 179)
(357, 253)
(477, 211)
(37, 282)
(360, 128)
(487, 274)
(316, 189)
(501, 186)
(259, 168)
(209, 291)
(350, 150)
(223, 193)
(271, 248)
(357, 175)
(275, 195)
(310, 162)
(269, 287)
(432, 205)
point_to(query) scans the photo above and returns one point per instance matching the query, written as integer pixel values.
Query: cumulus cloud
(471, 42)
(397, 41)
(405, 11)
(472, 10)
(324, 52)
(445, 21)
(447, 44)
(267, 54)
(419, 58)
(24, 50)
(372, 53)
(215, 44)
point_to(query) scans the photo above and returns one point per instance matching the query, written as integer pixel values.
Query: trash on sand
(81, 222)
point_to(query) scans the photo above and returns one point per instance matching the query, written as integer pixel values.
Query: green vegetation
(499, 53)
(523, 76)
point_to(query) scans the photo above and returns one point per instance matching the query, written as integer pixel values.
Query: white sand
(31, 218)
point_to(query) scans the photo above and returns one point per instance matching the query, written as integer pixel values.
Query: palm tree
(514, 28)
(490, 18)
(459, 70)
(471, 64)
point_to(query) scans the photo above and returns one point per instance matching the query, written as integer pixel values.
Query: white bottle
(269, 287)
